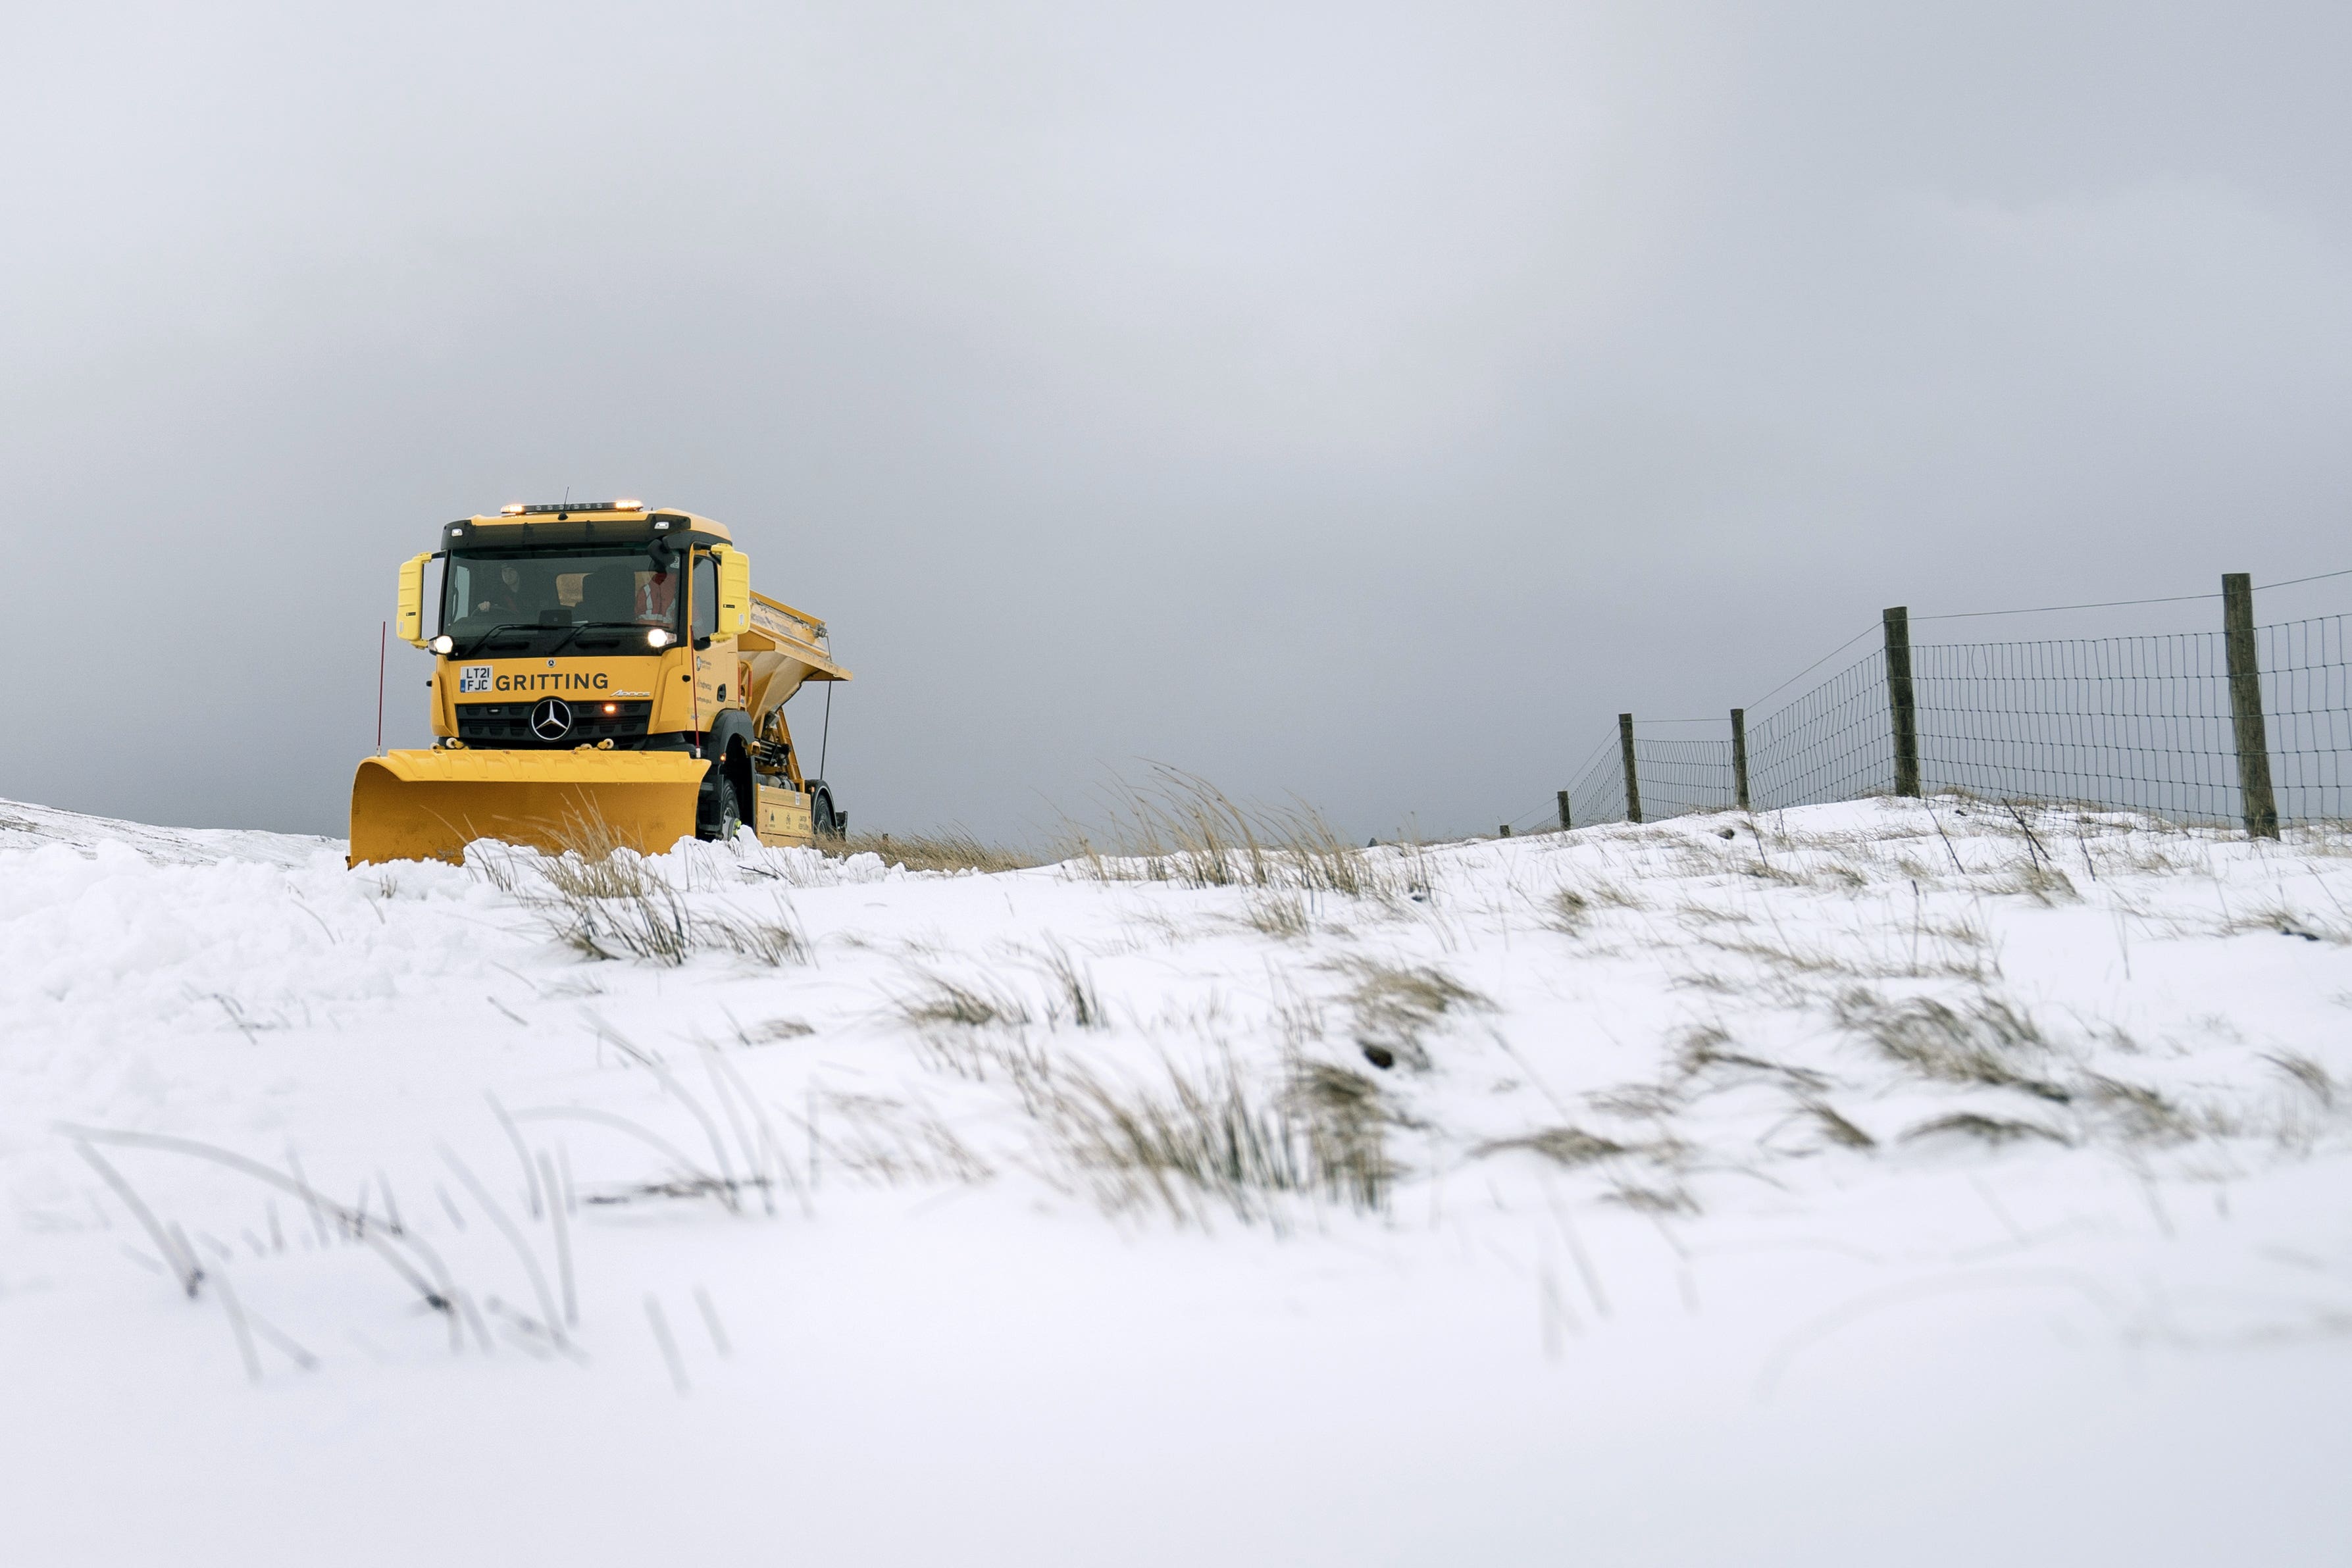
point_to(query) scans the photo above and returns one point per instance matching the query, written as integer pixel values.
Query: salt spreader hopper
(604, 676)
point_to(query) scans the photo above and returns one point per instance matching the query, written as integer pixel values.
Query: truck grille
(508, 725)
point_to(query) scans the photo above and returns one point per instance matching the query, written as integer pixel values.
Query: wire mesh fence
(1831, 744)
(2140, 722)
(1599, 793)
(2137, 722)
(2307, 699)
(1679, 776)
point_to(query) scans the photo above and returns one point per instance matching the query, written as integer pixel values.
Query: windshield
(520, 601)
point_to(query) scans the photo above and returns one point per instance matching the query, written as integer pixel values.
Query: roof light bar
(563, 506)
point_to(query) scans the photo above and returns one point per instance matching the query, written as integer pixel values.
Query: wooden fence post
(1563, 810)
(1632, 781)
(2246, 706)
(1740, 756)
(1900, 700)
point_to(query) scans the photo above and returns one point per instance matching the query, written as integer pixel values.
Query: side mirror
(734, 590)
(408, 620)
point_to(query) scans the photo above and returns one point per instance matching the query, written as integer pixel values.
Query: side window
(705, 596)
(457, 580)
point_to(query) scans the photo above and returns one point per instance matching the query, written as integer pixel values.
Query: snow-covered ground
(1860, 1183)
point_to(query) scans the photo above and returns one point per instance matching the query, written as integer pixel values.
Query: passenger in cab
(657, 597)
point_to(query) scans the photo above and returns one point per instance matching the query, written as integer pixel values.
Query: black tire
(718, 814)
(824, 821)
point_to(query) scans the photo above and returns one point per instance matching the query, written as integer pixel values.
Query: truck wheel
(824, 821)
(720, 813)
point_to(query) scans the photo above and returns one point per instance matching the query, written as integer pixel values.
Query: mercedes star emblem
(551, 719)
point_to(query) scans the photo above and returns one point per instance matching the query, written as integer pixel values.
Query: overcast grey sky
(1362, 401)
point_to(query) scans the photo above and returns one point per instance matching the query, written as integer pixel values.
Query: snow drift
(1886, 1181)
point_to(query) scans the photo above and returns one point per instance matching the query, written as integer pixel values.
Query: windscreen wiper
(572, 631)
(481, 642)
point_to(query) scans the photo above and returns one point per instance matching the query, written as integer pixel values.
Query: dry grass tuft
(1615, 895)
(2290, 922)
(1179, 828)
(1655, 1200)
(944, 1003)
(2035, 878)
(611, 909)
(1706, 1048)
(2303, 1070)
(1345, 1118)
(774, 940)
(1569, 1147)
(607, 901)
(951, 851)
(1394, 1005)
(2141, 1114)
(1570, 912)
(1638, 1102)
(1211, 1140)
(1836, 1127)
(1278, 913)
(1985, 1041)
(1996, 1129)
(1892, 951)
(889, 1141)
(1074, 990)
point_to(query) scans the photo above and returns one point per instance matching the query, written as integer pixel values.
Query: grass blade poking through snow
(436, 1295)
(515, 1237)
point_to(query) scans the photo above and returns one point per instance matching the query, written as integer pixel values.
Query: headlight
(443, 644)
(658, 638)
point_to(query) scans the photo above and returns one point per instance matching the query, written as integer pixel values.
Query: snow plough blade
(429, 805)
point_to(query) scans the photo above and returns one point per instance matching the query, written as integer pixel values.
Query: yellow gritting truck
(604, 676)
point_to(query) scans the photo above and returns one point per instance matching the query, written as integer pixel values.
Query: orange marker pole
(383, 642)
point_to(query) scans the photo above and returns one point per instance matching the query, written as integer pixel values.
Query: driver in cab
(657, 597)
(504, 592)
